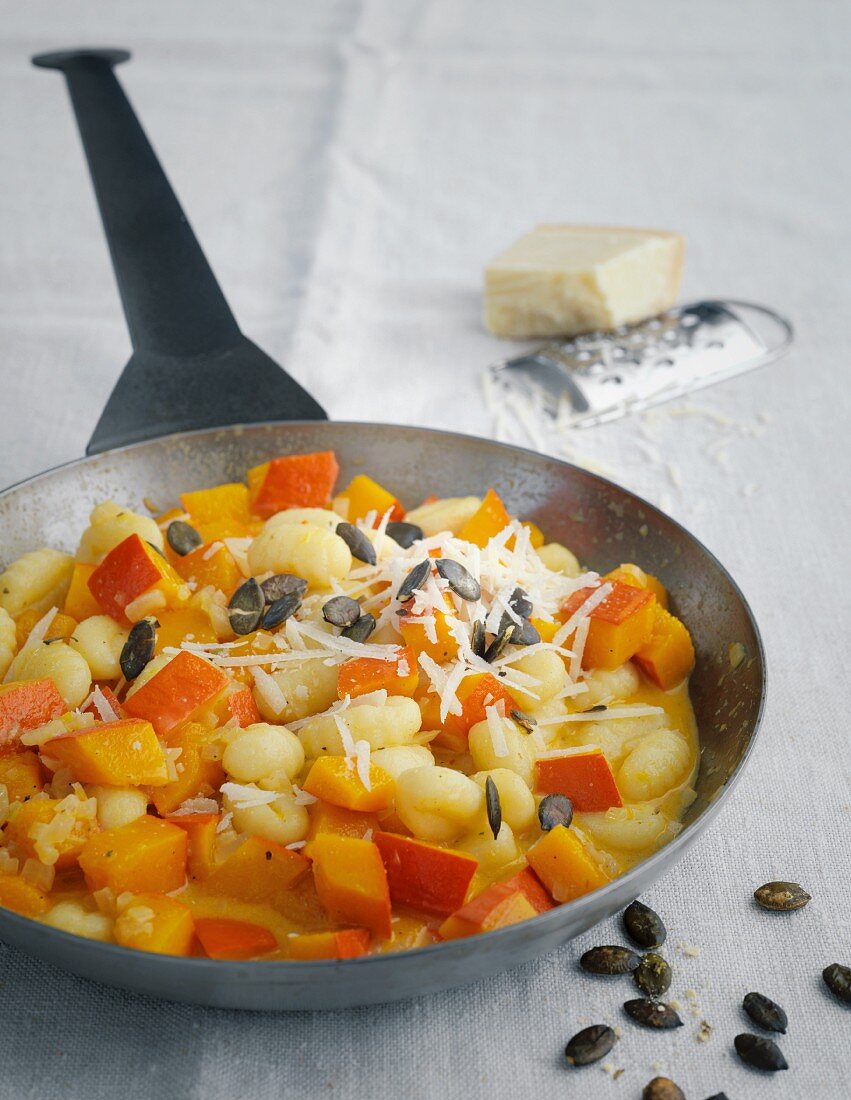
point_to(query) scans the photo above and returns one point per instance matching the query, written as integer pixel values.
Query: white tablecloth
(349, 167)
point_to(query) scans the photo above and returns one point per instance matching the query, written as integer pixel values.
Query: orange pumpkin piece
(584, 775)
(365, 674)
(26, 705)
(564, 865)
(618, 626)
(22, 897)
(668, 657)
(293, 481)
(195, 774)
(533, 890)
(490, 518)
(496, 907)
(636, 577)
(416, 633)
(61, 626)
(351, 882)
(258, 871)
(222, 512)
(79, 602)
(212, 564)
(325, 817)
(40, 812)
(475, 694)
(201, 834)
(130, 570)
(423, 876)
(183, 623)
(157, 923)
(22, 775)
(241, 706)
(224, 938)
(117, 754)
(363, 495)
(336, 779)
(177, 692)
(348, 944)
(146, 855)
(536, 535)
(547, 630)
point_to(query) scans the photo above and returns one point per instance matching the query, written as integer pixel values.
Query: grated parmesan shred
(497, 731)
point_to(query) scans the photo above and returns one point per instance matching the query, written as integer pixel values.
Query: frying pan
(192, 374)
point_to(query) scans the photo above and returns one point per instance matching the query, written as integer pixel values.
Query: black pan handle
(191, 366)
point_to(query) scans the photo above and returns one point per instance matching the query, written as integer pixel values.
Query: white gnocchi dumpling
(317, 517)
(602, 684)
(546, 668)
(660, 761)
(447, 514)
(58, 662)
(491, 851)
(437, 803)
(71, 916)
(488, 754)
(109, 525)
(299, 689)
(261, 750)
(560, 559)
(283, 821)
(516, 800)
(118, 805)
(314, 553)
(99, 640)
(401, 758)
(627, 828)
(396, 722)
(8, 641)
(36, 581)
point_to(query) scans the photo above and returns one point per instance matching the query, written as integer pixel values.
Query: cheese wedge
(560, 280)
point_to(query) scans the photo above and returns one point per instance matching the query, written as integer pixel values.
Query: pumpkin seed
(500, 643)
(761, 1053)
(662, 1088)
(589, 1045)
(525, 720)
(461, 581)
(525, 634)
(765, 1012)
(555, 809)
(653, 975)
(415, 579)
(494, 807)
(478, 642)
(245, 609)
(610, 959)
(341, 611)
(782, 896)
(357, 542)
(643, 925)
(406, 534)
(182, 537)
(598, 709)
(361, 630)
(653, 1014)
(282, 584)
(838, 980)
(280, 610)
(520, 603)
(718, 1096)
(139, 647)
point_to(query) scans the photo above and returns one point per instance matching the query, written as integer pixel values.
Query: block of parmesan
(560, 280)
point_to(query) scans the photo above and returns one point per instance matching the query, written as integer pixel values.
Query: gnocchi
(436, 803)
(8, 641)
(99, 640)
(58, 662)
(110, 524)
(314, 553)
(36, 581)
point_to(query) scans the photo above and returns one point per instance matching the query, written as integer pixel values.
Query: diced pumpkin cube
(325, 817)
(211, 564)
(348, 944)
(26, 705)
(584, 775)
(547, 630)
(157, 923)
(636, 577)
(618, 626)
(423, 876)
(533, 890)
(222, 512)
(146, 855)
(351, 882)
(196, 775)
(536, 535)
(61, 626)
(201, 833)
(564, 865)
(490, 518)
(224, 938)
(30, 820)
(241, 706)
(496, 907)
(668, 656)
(125, 753)
(183, 623)
(363, 495)
(475, 694)
(177, 692)
(336, 779)
(258, 871)
(22, 775)
(79, 602)
(365, 674)
(22, 897)
(130, 570)
(431, 634)
(293, 481)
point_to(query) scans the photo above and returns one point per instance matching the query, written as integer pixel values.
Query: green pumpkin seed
(643, 925)
(460, 580)
(653, 975)
(662, 1088)
(525, 634)
(283, 584)
(555, 809)
(718, 1096)
(494, 806)
(500, 643)
(589, 1045)
(782, 897)
(478, 643)
(525, 720)
(660, 1017)
(405, 534)
(357, 542)
(246, 607)
(139, 648)
(760, 1053)
(281, 610)
(361, 630)
(414, 580)
(182, 537)
(765, 1012)
(341, 611)
(609, 959)
(838, 980)
(520, 603)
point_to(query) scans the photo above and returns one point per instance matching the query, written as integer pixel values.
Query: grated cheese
(303, 798)
(244, 796)
(362, 763)
(269, 691)
(497, 731)
(614, 713)
(212, 550)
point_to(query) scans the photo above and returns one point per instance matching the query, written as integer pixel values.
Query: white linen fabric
(349, 167)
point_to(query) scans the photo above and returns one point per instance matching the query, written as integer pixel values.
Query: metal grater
(601, 376)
